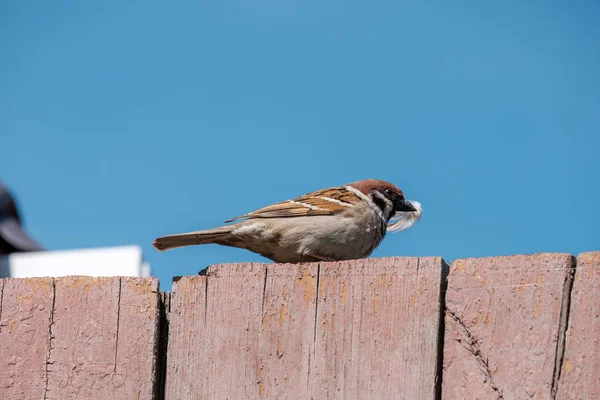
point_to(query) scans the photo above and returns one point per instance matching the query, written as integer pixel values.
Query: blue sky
(124, 121)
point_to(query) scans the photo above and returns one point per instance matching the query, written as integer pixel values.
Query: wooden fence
(518, 327)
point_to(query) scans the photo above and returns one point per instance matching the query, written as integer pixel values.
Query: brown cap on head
(366, 185)
(384, 194)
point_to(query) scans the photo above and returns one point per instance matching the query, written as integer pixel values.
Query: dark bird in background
(13, 238)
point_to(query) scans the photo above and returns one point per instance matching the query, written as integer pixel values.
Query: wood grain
(83, 349)
(25, 316)
(187, 338)
(78, 337)
(356, 329)
(580, 369)
(505, 324)
(515, 327)
(287, 335)
(137, 346)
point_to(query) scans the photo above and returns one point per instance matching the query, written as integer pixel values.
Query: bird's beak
(404, 206)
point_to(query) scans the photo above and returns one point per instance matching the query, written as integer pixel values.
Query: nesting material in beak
(404, 220)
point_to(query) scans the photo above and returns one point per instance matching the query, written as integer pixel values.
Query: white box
(107, 261)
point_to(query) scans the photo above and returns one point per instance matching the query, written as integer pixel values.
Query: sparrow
(338, 223)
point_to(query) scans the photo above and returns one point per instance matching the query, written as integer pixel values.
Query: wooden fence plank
(218, 336)
(580, 374)
(84, 337)
(286, 342)
(233, 320)
(296, 331)
(137, 348)
(505, 321)
(187, 338)
(25, 314)
(103, 336)
(377, 329)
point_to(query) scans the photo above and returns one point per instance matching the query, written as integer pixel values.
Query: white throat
(388, 208)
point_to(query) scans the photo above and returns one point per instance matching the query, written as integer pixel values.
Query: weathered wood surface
(505, 326)
(78, 337)
(356, 329)
(25, 316)
(580, 374)
(286, 341)
(377, 329)
(516, 327)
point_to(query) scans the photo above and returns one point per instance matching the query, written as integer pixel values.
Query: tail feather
(190, 239)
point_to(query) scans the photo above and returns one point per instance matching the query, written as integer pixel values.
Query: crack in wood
(1, 300)
(162, 344)
(205, 299)
(118, 323)
(565, 308)
(318, 277)
(441, 330)
(50, 336)
(308, 375)
(264, 293)
(472, 346)
(316, 306)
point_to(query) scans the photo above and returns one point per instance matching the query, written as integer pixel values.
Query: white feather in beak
(404, 220)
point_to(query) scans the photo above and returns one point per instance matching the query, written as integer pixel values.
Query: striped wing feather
(322, 202)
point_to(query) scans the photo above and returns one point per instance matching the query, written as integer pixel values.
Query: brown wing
(322, 202)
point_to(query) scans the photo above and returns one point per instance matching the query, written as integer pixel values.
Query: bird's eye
(388, 192)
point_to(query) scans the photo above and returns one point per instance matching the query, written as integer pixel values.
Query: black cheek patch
(379, 202)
